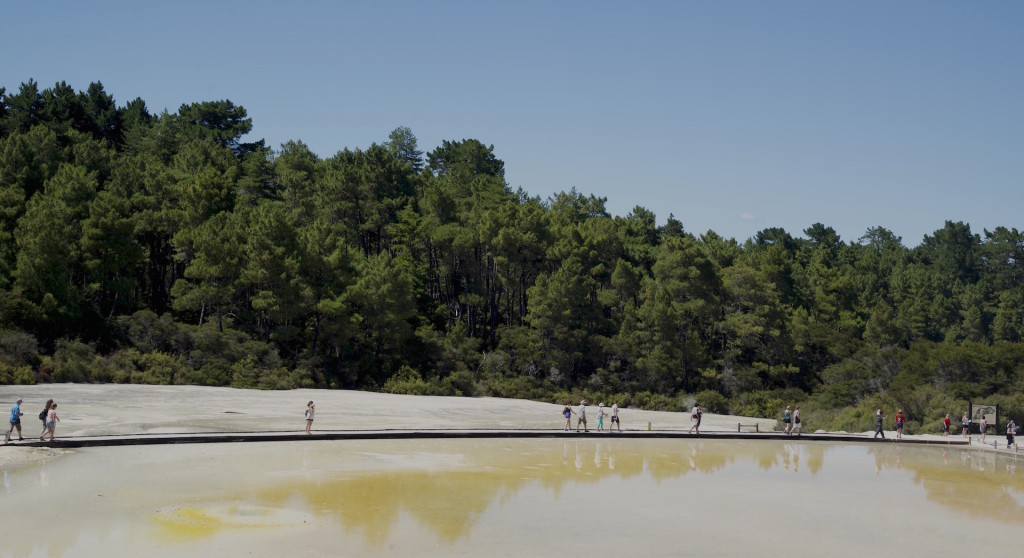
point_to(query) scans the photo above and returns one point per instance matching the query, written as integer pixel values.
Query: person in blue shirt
(15, 421)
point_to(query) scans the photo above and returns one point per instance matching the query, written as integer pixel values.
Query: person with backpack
(567, 413)
(698, 412)
(42, 415)
(51, 422)
(787, 419)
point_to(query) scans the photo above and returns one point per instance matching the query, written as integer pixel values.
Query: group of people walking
(791, 421)
(581, 417)
(947, 426)
(48, 416)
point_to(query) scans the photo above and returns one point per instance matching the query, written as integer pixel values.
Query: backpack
(42, 414)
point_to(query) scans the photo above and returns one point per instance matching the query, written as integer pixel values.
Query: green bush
(11, 374)
(712, 401)
(71, 362)
(758, 404)
(157, 368)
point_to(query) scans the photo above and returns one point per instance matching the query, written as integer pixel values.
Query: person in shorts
(796, 421)
(51, 422)
(965, 422)
(567, 413)
(787, 419)
(945, 425)
(698, 412)
(983, 426)
(15, 421)
(581, 417)
(1011, 432)
(615, 418)
(900, 420)
(43, 414)
(310, 411)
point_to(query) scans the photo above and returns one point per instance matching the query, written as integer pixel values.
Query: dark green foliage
(166, 248)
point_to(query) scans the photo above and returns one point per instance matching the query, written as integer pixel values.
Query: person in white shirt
(581, 417)
(696, 416)
(615, 418)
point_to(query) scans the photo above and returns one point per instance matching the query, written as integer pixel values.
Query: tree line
(162, 248)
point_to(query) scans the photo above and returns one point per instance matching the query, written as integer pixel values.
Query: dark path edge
(235, 437)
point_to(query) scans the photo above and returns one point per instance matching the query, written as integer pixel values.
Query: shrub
(712, 401)
(11, 374)
(758, 404)
(72, 361)
(18, 348)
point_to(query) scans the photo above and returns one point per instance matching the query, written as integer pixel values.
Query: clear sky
(733, 116)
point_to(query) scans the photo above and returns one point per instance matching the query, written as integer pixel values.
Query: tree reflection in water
(372, 491)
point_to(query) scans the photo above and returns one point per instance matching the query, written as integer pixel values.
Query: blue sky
(733, 116)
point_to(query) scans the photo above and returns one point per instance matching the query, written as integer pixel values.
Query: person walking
(600, 417)
(796, 421)
(567, 413)
(51, 422)
(1011, 432)
(787, 419)
(698, 413)
(42, 415)
(581, 417)
(879, 417)
(900, 420)
(615, 418)
(310, 411)
(15, 421)
(983, 426)
(965, 422)
(946, 423)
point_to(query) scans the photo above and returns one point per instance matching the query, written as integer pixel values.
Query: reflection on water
(379, 492)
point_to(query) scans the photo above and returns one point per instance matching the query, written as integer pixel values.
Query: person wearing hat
(16, 415)
(582, 416)
(600, 416)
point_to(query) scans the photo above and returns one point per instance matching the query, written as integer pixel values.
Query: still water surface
(512, 497)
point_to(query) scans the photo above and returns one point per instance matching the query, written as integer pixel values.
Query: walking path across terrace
(404, 434)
